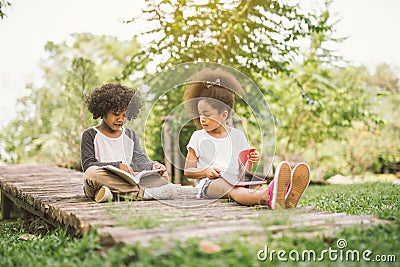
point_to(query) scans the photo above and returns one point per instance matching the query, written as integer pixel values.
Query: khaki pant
(95, 177)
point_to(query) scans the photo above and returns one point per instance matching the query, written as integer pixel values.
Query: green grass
(380, 199)
(56, 249)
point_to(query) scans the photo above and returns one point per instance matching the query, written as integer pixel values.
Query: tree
(385, 82)
(308, 130)
(246, 35)
(337, 97)
(52, 117)
(258, 38)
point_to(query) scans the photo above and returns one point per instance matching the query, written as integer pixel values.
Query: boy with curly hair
(110, 143)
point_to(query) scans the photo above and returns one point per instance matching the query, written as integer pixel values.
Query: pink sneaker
(278, 187)
(300, 179)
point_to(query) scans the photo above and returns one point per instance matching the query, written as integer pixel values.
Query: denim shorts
(203, 189)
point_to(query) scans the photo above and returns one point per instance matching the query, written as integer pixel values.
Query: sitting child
(111, 144)
(215, 148)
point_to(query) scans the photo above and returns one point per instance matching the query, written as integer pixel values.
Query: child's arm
(191, 170)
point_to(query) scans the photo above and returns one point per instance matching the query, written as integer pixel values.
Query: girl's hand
(160, 167)
(213, 172)
(126, 168)
(254, 157)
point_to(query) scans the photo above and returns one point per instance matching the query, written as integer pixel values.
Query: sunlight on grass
(380, 199)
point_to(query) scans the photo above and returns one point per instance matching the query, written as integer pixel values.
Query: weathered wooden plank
(118, 235)
(31, 209)
(41, 176)
(6, 206)
(30, 186)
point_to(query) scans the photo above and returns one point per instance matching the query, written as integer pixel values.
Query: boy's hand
(160, 167)
(254, 157)
(213, 172)
(126, 168)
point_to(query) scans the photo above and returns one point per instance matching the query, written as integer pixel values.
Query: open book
(146, 178)
(244, 178)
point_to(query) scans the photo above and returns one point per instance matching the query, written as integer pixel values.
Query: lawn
(56, 248)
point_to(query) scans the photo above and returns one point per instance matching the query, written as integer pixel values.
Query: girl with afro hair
(110, 143)
(214, 149)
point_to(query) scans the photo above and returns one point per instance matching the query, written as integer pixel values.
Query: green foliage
(368, 138)
(51, 118)
(340, 123)
(343, 114)
(386, 83)
(246, 35)
(162, 108)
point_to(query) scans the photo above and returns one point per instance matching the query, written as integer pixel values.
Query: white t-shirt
(218, 152)
(109, 149)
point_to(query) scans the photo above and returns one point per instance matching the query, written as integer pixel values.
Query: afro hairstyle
(113, 97)
(217, 87)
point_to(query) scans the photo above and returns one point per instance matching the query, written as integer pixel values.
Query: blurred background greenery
(340, 118)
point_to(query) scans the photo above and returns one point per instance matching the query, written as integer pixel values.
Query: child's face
(211, 118)
(115, 119)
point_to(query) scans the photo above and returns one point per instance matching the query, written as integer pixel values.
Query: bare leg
(249, 197)
(219, 188)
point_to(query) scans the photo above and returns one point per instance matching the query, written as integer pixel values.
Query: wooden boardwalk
(55, 194)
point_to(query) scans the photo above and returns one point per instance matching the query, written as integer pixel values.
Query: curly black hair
(217, 87)
(113, 97)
